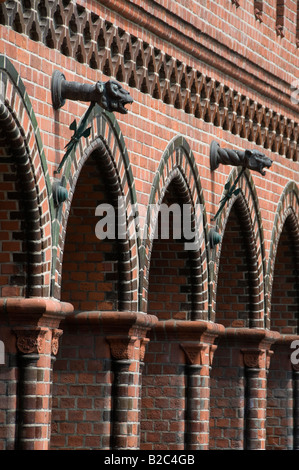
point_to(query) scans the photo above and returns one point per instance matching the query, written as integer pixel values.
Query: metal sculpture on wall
(251, 159)
(110, 96)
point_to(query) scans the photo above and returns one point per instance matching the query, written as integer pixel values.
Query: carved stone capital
(31, 340)
(122, 347)
(254, 358)
(56, 334)
(198, 353)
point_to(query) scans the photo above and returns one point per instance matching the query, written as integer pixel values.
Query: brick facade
(140, 342)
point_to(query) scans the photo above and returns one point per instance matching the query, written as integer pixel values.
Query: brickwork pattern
(81, 34)
(82, 392)
(134, 375)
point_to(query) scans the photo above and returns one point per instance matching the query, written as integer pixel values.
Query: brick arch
(106, 139)
(29, 193)
(287, 210)
(247, 208)
(178, 167)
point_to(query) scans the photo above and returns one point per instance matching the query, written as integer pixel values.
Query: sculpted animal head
(257, 161)
(113, 96)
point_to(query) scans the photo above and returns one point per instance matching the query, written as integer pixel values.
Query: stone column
(34, 328)
(196, 338)
(127, 354)
(256, 362)
(125, 333)
(125, 393)
(33, 395)
(36, 347)
(199, 358)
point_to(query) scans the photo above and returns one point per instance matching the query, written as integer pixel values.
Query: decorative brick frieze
(123, 56)
(121, 378)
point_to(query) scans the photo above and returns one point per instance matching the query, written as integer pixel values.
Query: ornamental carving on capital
(122, 348)
(55, 341)
(253, 358)
(197, 354)
(31, 341)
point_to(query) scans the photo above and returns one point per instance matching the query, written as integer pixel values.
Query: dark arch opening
(96, 263)
(174, 295)
(285, 288)
(175, 275)
(237, 306)
(282, 403)
(237, 294)
(96, 277)
(20, 217)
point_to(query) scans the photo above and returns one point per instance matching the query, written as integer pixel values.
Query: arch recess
(288, 207)
(23, 151)
(251, 221)
(105, 138)
(178, 164)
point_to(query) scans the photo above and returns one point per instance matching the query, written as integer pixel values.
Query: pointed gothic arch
(105, 141)
(178, 167)
(287, 210)
(27, 188)
(246, 204)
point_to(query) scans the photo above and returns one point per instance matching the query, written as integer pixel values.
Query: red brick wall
(183, 63)
(227, 420)
(82, 391)
(163, 397)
